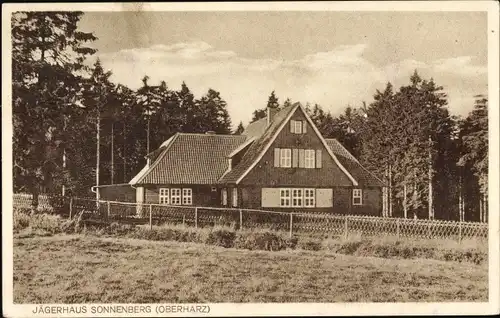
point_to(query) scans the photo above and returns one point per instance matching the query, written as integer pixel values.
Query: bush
(310, 245)
(221, 237)
(260, 240)
(21, 219)
(169, 233)
(73, 225)
(46, 222)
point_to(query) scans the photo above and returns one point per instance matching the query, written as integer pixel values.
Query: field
(85, 269)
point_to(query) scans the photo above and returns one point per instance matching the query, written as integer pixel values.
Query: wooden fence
(294, 223)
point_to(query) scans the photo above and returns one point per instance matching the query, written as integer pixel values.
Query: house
(280, 163)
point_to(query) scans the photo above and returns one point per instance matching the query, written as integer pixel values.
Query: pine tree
(474, 152)
(239, 130)
(48, 52)
(98, 100)
(272, 102)
(213, 114)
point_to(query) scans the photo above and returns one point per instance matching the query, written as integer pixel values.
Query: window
(297, 126)
(285, 158)
(357, 197)
(310, 159)
(297, 197)
(175, 196)
(163, 195)
(235, 197)
(284, 197)
(187, 196)
(224, 197)
(309, 198)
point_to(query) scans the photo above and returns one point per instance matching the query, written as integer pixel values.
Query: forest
(74, 128)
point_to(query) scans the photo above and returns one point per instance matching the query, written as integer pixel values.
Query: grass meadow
(85, 268)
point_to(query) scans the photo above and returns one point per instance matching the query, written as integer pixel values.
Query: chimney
(210, 132)
(270, 114)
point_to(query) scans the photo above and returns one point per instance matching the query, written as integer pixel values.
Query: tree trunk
(124, 154)
(485, 207)
(405, 208)
(147, 150)
(112, 153)
(64, 170)
(430, 175)
(461, 207)
(35, 191)
(390, 190)
(98, 156)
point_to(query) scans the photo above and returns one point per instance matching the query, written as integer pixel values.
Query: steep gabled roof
(363, 176)
(258, 148)
(255, 150)
(192, 159)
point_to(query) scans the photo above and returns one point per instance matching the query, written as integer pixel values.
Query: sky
(331, 58)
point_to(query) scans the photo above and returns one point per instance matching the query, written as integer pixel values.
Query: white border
(222, 309)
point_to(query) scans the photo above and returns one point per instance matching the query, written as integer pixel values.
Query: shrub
(310, 245)
(46, 222)
(21, 219)
(260, 240)
(169, 233)
(291, 242)
(349, 248)
(221, 237)
(73, 225)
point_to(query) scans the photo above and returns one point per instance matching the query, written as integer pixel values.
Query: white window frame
(187, 196)
(297, 197)
(235, 197)
(164, 196)
(309, 198)
(357, 194)
(224, 196)
(297, 127)
(310, 158)
(285, 197)
(175, 196)
(286, 158)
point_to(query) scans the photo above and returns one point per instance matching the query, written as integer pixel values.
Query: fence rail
(293, 223)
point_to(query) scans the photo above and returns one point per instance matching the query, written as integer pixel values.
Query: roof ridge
(209, 135)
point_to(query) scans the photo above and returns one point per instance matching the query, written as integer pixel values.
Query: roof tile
(192, 159)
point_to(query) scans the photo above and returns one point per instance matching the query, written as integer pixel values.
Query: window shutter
(295, 158)
(318, 158)
(292, 126)
(304, 126)
(270, 197)
(324, 198)
(276, 157)
(301, 158)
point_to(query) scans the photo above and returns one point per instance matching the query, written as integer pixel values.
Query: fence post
(70, 207)
(108, 213)
(151, 217)
(241, 220)
(460, 232)
(291, 224)
(196, 217)
(397, 228)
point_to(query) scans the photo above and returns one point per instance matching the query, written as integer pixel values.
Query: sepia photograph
(167, 160)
